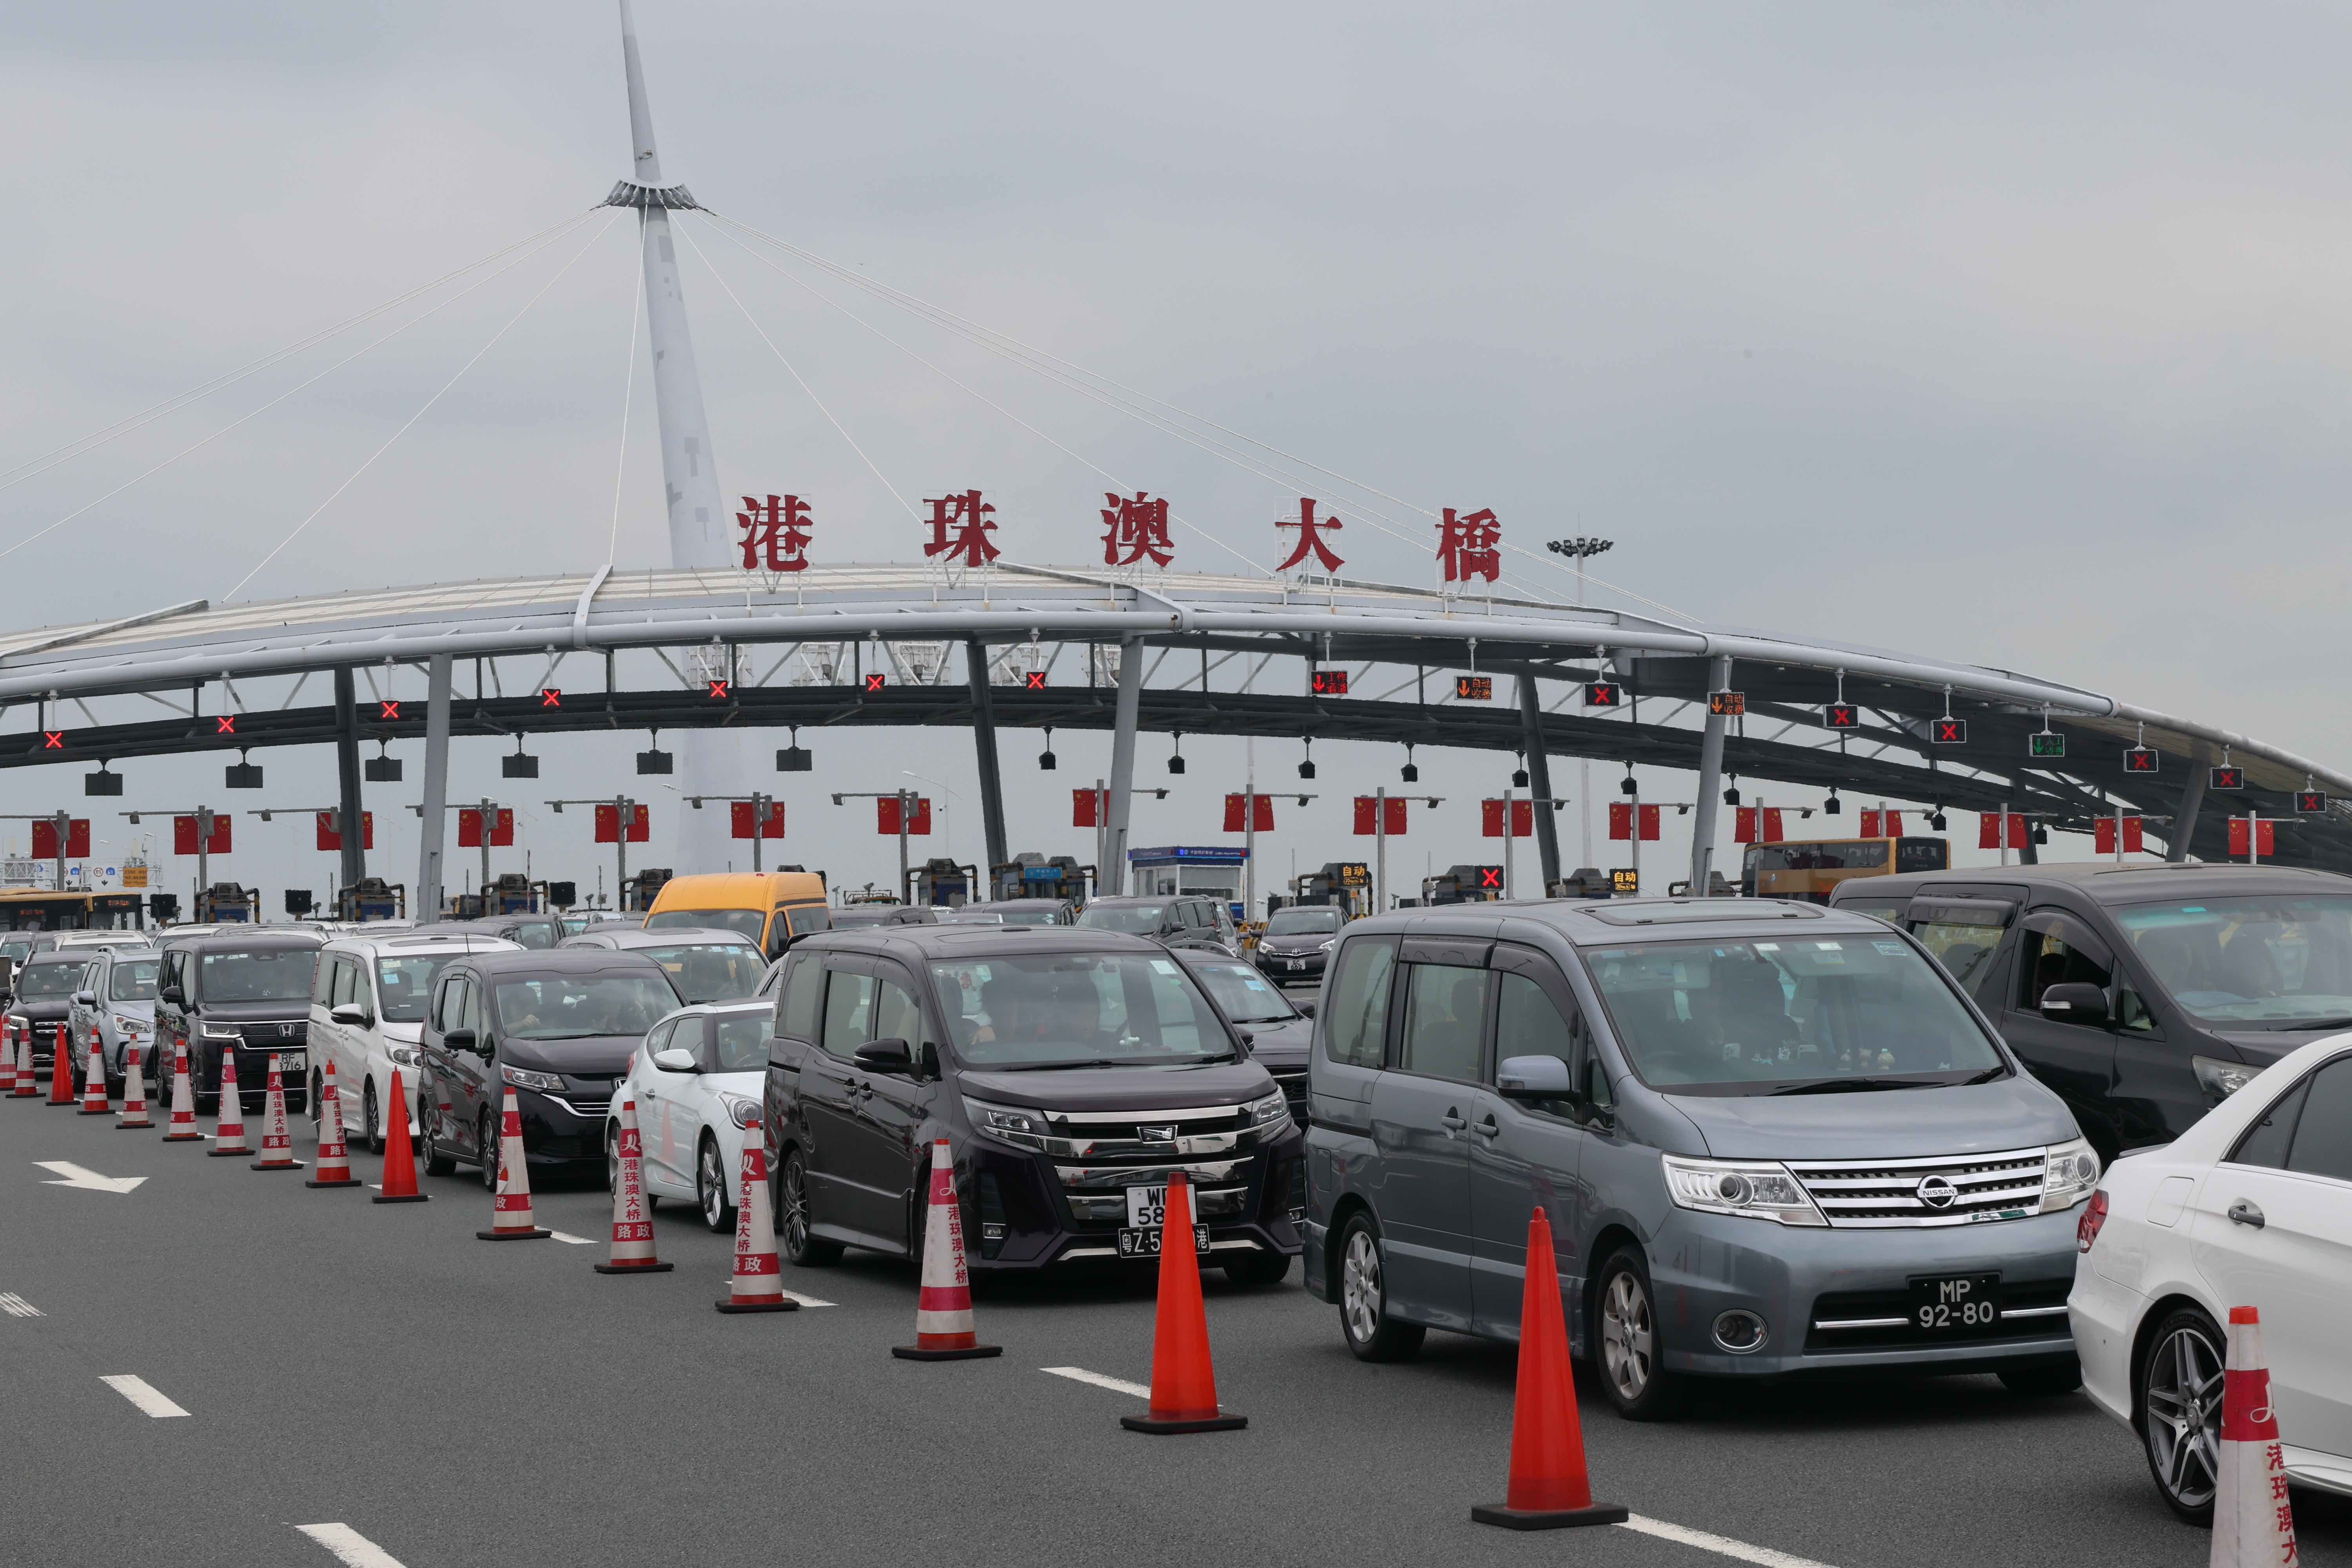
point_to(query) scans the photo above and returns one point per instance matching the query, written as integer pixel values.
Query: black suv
(45, 984)
(555, 1027)
(249, 991)
(1176, 920)
(1071, 1072)
(2142, 994)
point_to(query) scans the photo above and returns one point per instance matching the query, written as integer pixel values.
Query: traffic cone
(332, 1167)
(61, 1072)
(184, 1100)
(1549, 1488)
(2252, 1521)
(277, 1138)
(1183, 1382)
(8, 1057)
(757, 1285)
(27, 1085)
(93, 1079)
(399, 1158)
(229, 1134)
(633, 1226)
(943, 1325)
(510, 1208)
(134, 1094)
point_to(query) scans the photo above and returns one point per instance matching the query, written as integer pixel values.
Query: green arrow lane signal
(2048, 743)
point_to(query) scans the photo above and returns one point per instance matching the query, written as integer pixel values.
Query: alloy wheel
(793, 1217)
(371, 1121)
(1360, 1293)
(1628, 1337)
(612, 1161)
(2184, 1417)
(486, 1145)
(710, 1185)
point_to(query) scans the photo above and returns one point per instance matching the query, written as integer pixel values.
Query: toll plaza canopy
(1305, 658)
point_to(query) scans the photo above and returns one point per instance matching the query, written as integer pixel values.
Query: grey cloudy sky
(2010, 333)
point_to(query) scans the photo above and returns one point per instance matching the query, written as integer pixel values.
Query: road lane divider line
(16, 1306)
(350, 1546)
(1722, 1545)
(574, 1241)
(804, 1301)
(1116, 1385)
(143, 1394)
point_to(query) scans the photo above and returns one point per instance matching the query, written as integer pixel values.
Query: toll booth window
(1357, 1013)
(269, 976)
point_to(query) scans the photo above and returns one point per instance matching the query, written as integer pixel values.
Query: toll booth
(1463, 885)
(372, 899)
(513, 893)
(1030, 875)
(164, 908)
(644, 888)
(1345, 883)
(1208, 869)
(1584, 882)
(225, 901)
(941, 883)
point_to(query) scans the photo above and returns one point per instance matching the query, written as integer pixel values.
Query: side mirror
(2073, 1002)
(675, 1061)
(173, 994)
(349, 1013)
(1248, 1039)
(85, 998)
(885, 1055)
(458, 1039)
(1306, 1008)
(1534, 1078)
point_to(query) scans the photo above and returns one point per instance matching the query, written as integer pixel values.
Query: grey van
(1769, 1138)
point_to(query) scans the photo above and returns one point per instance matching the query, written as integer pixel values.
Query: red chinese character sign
(1466, 546)
(45, 840)
(608, 825)
(1377, 816)
(918, 815)
(470, 827)
(775, 533)
(1310, 538)
(960, 529)
(183, 836)
(1136, 531)
(1523, 820)
(1261, 812)
(745, 823)
(330, 836)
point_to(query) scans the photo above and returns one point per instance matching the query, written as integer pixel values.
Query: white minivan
(367, 1009)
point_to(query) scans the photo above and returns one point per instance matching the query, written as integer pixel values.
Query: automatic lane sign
(1842, 716)
(2140, 759)
(1474, 688)
(2308, 802)
(1729, 704)
(1331, 682)
(2046, 744)
(1949, 732)
(1625, 881)
(2225, 778)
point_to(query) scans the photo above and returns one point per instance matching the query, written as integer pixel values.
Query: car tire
(2177, 1391)
(437, 1163)
(800, 1246)
(1625, 1340)
(1256, 1270)
(316, 1081)
(372, 1134)
(1364, 1321)
(486, 1144)
(2045, 1381)
(710, 1187)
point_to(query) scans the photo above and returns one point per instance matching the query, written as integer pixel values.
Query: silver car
(1768, 1138)
(117, 1000)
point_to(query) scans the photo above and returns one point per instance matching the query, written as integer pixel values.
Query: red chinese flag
(1262, 814)
(45, 840)
(1233, 809)
(740, 824)
(184, 835)
(744, 824)
(1870, 824)
(608, 825)
(1490, 819)
(1987, 830)
(1649, 823)
(329, 838)
(918, 815)
(2103, 835)
(502, 830)
(1743, 825)
(1395, 815)
(469, 828)
(2264, 839)
(1366, 810)
(1894, 824)
(1523, 820)
(920, 824)
(1083, 803)
(1771, 824)
(2131, 835)
(1621, 819)
(641, 828)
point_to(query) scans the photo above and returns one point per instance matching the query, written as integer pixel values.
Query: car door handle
(2243, 1213)
(1452, 1121)
(1487, 1127)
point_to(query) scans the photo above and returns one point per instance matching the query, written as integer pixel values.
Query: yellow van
(775, 909)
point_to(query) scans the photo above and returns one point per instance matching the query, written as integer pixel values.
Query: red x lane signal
(1490, 876)
(1949, 732)
(2140, 759)
(225, 724)
(1602, 693)
(719, 690)
(388, 710)
(53, 740)
(1036, 678)
(549, 696)
(1842, 716)
(875, 682)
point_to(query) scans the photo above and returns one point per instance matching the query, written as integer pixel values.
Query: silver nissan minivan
(1769, 1139)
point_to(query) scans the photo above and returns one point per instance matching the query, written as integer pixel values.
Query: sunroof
(1703, 909)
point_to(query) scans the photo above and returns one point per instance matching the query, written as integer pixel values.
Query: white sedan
(697, 1081)
(2251, 1206)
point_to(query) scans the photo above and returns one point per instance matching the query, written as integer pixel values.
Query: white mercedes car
(2251, 1207)
(696, 1080)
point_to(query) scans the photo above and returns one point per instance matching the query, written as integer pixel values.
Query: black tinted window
(2322, 1133)
(2265, 1143)
(804, 986)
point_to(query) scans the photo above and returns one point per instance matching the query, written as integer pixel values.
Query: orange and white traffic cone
(633, 1224)
(510, 1208)
(228, 1135)
(27, 1085)
(2253, 1525)
(332, 1167)
(93, 1079)
(1183, 1382)
(757, 1285)
(61, 1072)
(277, 1138)
(399, 1158)
(1550, 1489)
(944, 1330)
(8, 1057)
(184, 1100)
(134, 1093)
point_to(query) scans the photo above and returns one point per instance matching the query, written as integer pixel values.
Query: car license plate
(1955, 1303)
(292, 1061)
(1147, 1207)
(1297, 963)
(1136, 1243)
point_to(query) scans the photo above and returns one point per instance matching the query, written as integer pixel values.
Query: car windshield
(804, 919)
(48, 979)
(1043, 913)
(1077, 1009)
(711, 971)
(844, 920)
(19, 951)
(1793, 1015)
(1140, 919)
(404, 982)
(1300, 922)
(2269, 961)
(576, 1006)
(1244, 992)
(279, 974)
(743, 922)
(741, 1040)
(134, 980)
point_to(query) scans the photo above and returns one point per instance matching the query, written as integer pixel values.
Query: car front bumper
(1287, 967)
(561, 1129)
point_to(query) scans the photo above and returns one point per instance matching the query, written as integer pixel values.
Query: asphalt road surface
(450, 1402)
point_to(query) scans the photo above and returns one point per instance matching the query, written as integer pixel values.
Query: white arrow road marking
(140, 1393)
(350, 1546)
(81, 1176)
(1116, 1385)
(16, 1306)
(794, 1296)
(1722, 1545)
(574, 1241)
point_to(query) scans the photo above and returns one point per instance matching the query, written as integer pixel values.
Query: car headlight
(1014, 1125)
(1272, 1109)
(2220, 1078)
(2068, 1174)
(405, 1055)
(523, 1077)
(1752, 1189)
(1327, 945)
(217, 1032)
(741, 1110)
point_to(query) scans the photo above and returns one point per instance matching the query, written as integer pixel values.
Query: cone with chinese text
(183, 1128)
(2253, 1524)
(8, 1081)
(332, 1167)
(134, 1093)
(1549, 1488)
(399, 1158)
(943, 1325)
(228, 1133)
(758, 1284)
(27, 1085)
(93, 1079)
(277, 1138)
(632, 1223)
(61, 1070)
(510, 1207)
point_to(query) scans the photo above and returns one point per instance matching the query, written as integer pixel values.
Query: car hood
(131, 1009)
(592, 1056)
(2263, 1047)
(1965, 1118)
(1281, 1044)
(42, 1009)
(1121, 1088)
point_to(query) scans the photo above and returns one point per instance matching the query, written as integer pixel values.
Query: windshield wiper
(1986, 1076)
(1854, 1085)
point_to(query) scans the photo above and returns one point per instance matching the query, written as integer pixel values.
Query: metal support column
(1113, 873)
(983, 745)
(352, 824)
(1531, 737)
(430, 831)
(2184, 815)
(1710, 786)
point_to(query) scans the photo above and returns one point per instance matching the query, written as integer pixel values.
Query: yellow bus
(1809, 870)
(43, 909)
(775, 909)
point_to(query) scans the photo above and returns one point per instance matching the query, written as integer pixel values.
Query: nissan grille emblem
(1157, 1134)
(1938, 1192)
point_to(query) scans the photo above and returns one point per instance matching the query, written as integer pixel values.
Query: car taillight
(2095, 1215)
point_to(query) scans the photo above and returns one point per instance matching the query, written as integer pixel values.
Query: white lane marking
(574, 1241)
(350, 1546)
(1116, 1385)
(141, 1393)
(84, 1177)
(16, 1306)
(796, 1296)
(1722, 1545)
